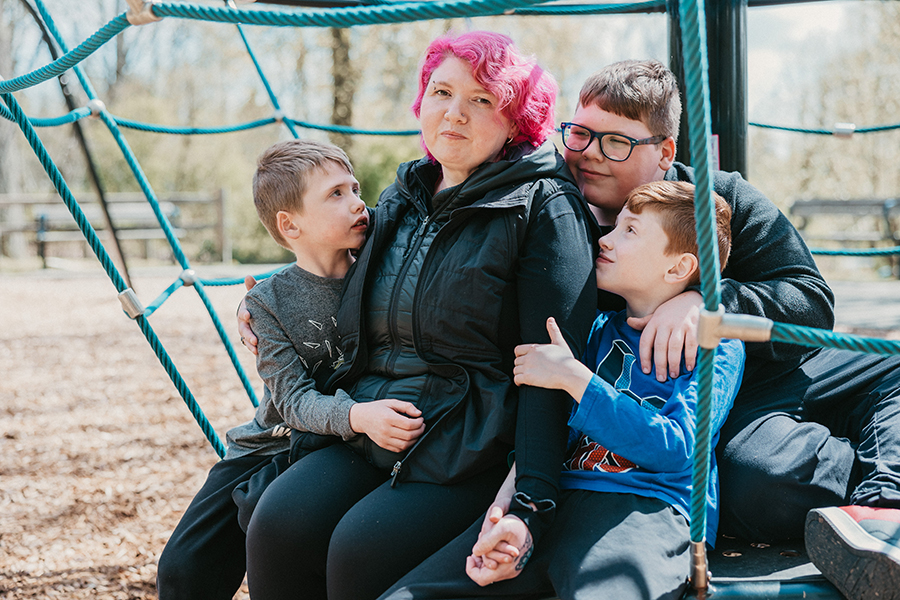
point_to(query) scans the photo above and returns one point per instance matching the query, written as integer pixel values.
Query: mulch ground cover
(99, 455)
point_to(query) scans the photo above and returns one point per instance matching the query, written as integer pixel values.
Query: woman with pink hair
(470, 251)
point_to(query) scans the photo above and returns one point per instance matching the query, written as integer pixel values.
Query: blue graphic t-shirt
(633, 434)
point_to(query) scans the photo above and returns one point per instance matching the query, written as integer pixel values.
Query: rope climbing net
(714, 324)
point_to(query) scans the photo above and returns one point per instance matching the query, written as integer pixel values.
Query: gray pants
(601, 545)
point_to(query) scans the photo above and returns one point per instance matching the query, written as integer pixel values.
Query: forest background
(811, 65)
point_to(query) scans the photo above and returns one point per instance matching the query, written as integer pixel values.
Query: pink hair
(526, 92)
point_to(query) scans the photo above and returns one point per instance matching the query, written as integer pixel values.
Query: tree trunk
(344, 86)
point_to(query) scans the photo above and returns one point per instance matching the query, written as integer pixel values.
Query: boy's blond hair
(673, 201)
(640, 90)
(282, 173)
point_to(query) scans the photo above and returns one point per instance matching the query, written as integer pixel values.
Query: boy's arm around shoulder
(770, 272)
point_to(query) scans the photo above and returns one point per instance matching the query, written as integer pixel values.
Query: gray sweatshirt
(293, 316)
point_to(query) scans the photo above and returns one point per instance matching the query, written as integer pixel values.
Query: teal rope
(51, 27)
(693, 35)
(352, 130)
(167, 293)
(860, 252)
(94, 241)
(874, 129)
(342, 17)
(71, 117)
(176, 249)
(229, 348)
(240, 280)
(595, 9)
(164, 223)
(68, 60)
(272, 98)
(182, 387)
(809, 336)
(144, 184)
(191, 130)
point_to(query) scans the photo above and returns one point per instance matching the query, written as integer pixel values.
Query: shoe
(857, 548)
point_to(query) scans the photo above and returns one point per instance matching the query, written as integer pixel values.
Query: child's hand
(667, 333)
(392, 424)
(248, 338)
(510, 536)
(551, 366)
(503, 552)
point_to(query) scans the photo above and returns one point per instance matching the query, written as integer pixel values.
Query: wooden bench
(882, 214)
(45, 220)
(868, 221)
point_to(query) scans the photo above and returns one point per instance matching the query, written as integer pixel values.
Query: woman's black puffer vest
(446, 286)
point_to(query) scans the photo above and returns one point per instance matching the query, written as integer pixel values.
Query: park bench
(45, 220)
(868, 221)
(881, 214)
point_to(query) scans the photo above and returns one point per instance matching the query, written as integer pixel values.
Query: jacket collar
(499, 184)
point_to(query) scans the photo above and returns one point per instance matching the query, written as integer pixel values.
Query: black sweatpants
(205, 557)
(333, 508)
(600, 546)
(825, 434)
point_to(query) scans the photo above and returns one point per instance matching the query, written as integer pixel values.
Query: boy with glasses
(811, 429)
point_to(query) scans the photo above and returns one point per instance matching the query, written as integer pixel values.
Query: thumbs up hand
(552, 365)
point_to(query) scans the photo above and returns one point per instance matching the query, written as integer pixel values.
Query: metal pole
(727, 44)
(676, 65)
(727, 54)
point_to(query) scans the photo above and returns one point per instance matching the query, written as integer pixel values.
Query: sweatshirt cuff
(536, 514)
(341, 415)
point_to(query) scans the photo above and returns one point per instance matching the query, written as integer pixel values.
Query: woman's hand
(248, 338)
(392, 424)
(552, 365)
(667, 333)
(498, 508)
(509, 535)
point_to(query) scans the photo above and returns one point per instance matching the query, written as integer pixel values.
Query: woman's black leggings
(333, 508)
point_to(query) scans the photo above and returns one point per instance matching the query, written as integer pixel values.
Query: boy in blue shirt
(621, 529)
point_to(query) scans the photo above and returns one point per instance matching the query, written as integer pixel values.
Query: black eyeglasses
(614, 146)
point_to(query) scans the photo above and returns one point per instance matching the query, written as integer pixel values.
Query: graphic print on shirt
(615, 369)
(319, 332)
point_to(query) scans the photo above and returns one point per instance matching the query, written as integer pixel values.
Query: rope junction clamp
(96, 107)
(278, 115)
(188, 276)
(699, 566)
(714, 326)
(844, 130)
(130, 304)
(139, 12)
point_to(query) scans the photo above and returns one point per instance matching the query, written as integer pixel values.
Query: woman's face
(461, 124)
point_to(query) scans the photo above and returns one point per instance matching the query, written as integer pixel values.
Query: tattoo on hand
(527, 548)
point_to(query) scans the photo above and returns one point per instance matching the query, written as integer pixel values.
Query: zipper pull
(394, 472)
(423, 226)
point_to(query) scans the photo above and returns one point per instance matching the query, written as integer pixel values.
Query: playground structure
(688, 20)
